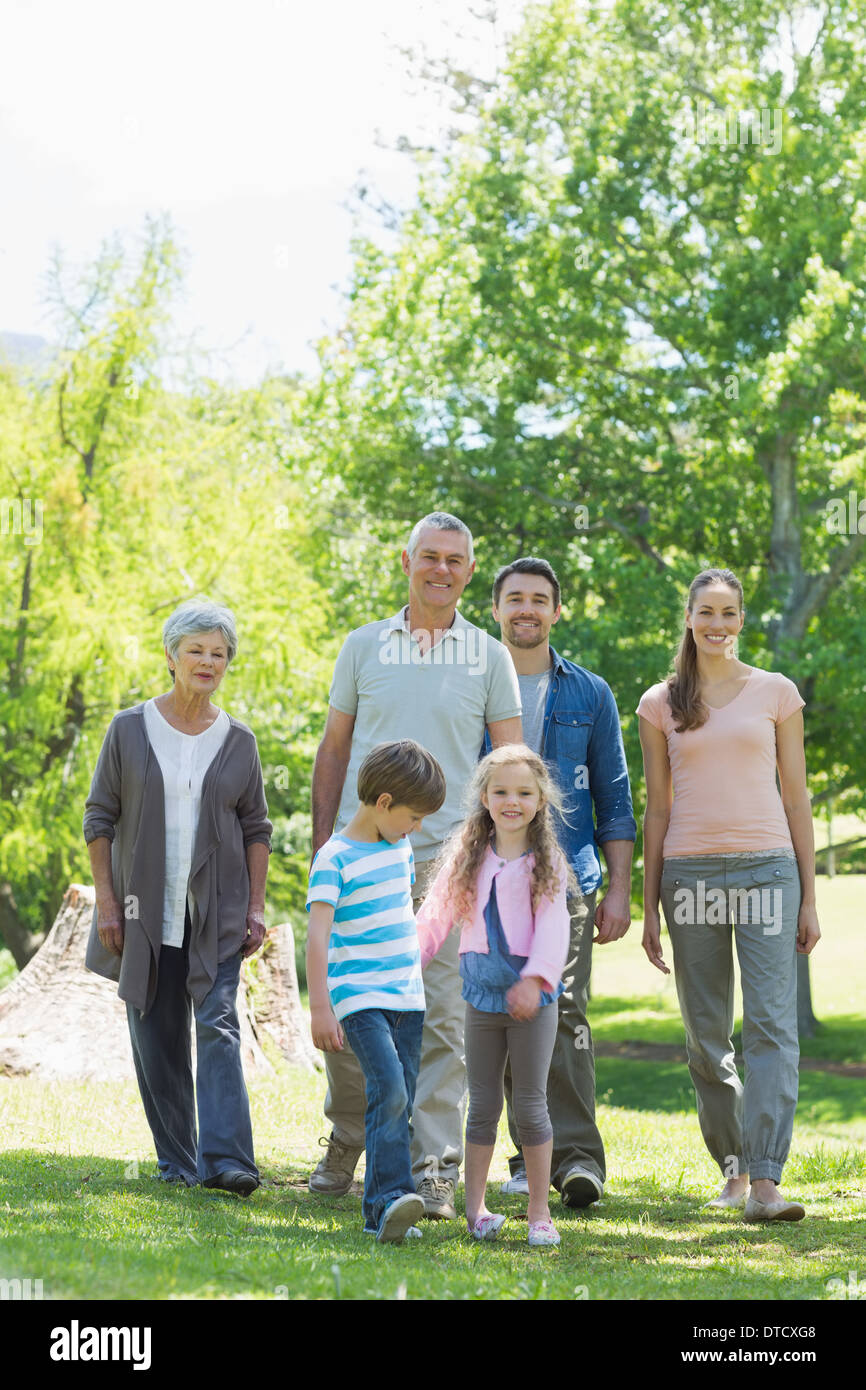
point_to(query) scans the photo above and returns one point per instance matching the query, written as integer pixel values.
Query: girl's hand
(808, 931)
(326, 1031)
(652, 942)
(524, 998)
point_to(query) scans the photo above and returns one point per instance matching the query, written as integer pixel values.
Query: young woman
(722, 846)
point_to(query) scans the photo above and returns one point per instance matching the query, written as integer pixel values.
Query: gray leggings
(528, 1045)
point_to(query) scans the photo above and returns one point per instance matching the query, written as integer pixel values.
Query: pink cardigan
(543, 939)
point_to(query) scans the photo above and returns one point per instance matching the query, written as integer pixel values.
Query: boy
(364, 965)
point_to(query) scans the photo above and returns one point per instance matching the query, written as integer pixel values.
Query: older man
(570, 718)
(427, 674)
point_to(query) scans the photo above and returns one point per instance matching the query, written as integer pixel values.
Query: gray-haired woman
(178, 832)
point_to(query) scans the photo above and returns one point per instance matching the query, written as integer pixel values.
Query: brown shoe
(438, 1195)
(334, 1174)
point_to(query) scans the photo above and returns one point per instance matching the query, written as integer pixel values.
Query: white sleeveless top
(183, 760)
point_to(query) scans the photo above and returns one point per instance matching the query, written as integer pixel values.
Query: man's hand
(612, 916)
(326, 1031)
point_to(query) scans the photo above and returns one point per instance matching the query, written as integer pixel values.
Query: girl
(503, 878)
(721, 844)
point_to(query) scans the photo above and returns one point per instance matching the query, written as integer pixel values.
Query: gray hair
(200, 615)
(441, 521)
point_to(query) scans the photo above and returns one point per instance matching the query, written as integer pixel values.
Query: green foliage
(148, 495)
(596, 304)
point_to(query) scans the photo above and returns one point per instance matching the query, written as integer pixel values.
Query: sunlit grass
(79, 1210)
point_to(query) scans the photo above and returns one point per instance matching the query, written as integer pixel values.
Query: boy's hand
(326, 1031)
(523, 999)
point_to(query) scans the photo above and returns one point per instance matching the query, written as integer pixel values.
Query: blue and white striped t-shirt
(374, 961)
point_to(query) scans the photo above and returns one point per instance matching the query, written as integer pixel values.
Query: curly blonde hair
(463, 852)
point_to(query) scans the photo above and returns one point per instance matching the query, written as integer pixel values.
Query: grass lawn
(79, 1209)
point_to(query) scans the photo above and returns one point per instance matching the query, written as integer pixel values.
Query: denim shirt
(582, 746)
(487, 978)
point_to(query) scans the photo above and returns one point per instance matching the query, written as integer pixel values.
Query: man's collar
(400, 622)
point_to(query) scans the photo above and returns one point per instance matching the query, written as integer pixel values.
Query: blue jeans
(387, 1044)
(161, 1050)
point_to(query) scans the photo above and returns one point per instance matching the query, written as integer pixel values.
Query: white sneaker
(517, 1184)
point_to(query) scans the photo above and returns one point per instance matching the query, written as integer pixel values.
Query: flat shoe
(487, 1227)
(233, 1180)
(723, 1203)
(773, 1211)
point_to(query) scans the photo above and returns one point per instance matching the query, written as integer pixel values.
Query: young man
(426, 674)
(364, 965)
(570, 718)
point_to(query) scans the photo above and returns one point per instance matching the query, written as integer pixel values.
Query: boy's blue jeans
(387, 1044)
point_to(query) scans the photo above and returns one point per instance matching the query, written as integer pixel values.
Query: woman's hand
(524, 998)
(326, 1031)
(652, 941)
(255, 931)
(808, 931)
(109, 925)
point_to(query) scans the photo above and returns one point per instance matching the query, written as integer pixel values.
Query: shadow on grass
(666, 1086)
(89, 1231)
(642, 1019)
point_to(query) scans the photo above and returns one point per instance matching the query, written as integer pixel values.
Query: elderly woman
(178, 831)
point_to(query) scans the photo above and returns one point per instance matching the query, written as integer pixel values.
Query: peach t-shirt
(724, 773)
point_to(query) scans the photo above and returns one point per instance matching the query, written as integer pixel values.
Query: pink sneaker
(543, 1233)
(487, 1227)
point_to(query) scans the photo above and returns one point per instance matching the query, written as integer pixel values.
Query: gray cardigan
(126, 805)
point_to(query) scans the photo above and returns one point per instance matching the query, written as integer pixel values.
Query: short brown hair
(405, 770)
(528, 564)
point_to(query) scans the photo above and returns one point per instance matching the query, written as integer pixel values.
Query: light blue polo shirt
(443, 699)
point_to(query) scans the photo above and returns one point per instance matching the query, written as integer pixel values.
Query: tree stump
(60, 1022)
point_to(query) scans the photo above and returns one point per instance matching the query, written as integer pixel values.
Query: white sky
(249, 123)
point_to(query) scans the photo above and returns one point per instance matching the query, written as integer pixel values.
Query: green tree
(147, 494)
(623, 326)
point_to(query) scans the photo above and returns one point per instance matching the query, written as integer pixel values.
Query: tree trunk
(58, 1021)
